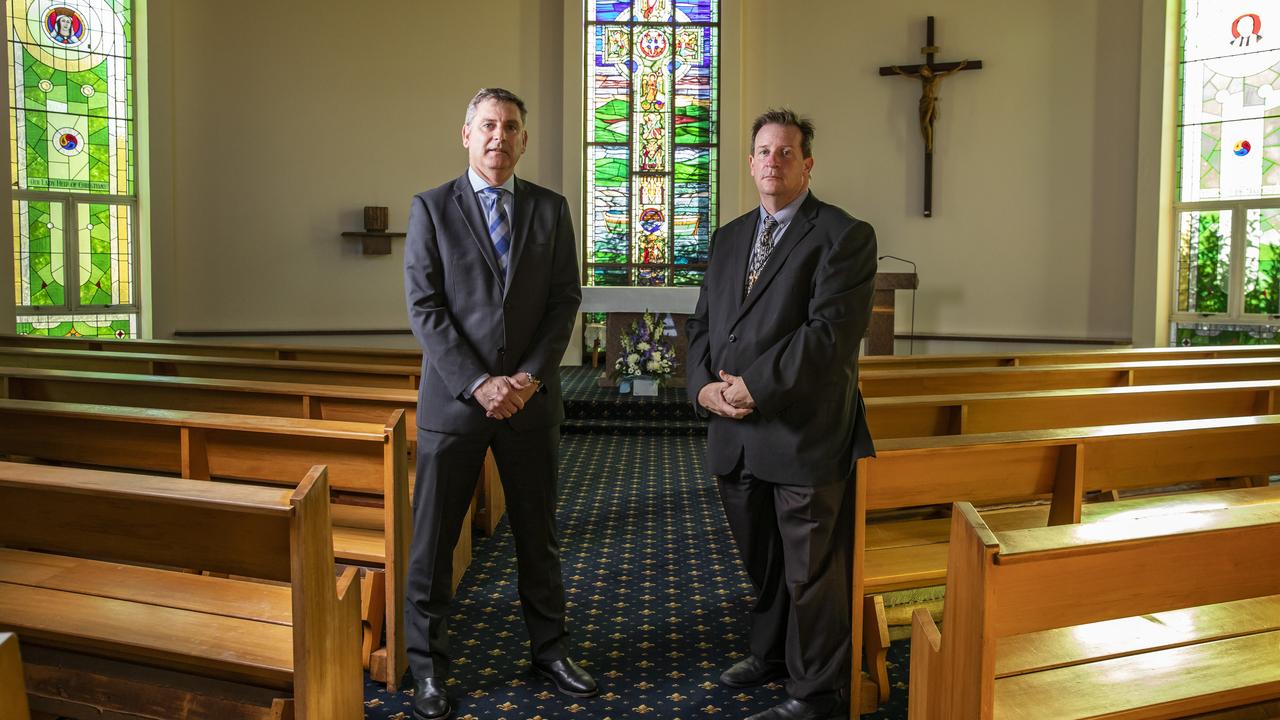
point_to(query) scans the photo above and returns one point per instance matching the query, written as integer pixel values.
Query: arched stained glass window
(1227, 288)
(71, 119)
(651, 135)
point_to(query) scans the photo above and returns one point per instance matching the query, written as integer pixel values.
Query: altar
(673, 305)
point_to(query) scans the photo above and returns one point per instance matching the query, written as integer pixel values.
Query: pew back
(367, 467)
(66, 531)
(1039, 579)
(953, 381)
(1060, 465)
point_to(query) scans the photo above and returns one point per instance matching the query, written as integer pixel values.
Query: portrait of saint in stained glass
(651, 143)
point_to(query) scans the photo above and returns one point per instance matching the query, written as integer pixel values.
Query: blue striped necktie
(499, 227)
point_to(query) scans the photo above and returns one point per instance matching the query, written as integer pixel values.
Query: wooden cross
(930, 75)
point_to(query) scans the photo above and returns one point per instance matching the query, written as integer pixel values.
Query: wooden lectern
(880, 332)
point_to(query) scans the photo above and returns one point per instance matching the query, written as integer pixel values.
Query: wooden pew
(367, 472)
(244, 397)
(107, 631)
(1060, 465)
(262, 351)
(412, 356)
(1108, 355)
(137, 363)
(931, 415)
(13, 690)
(1006, 585)
(953, 381)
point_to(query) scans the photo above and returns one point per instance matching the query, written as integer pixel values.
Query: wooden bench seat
(244, 397)
(367, 474)
(1070, 579)
(91, 576)
(13, 690)
(1059, 466)
(954, 381)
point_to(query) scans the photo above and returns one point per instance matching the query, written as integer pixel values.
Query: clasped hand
(728, 398)
(502, 396)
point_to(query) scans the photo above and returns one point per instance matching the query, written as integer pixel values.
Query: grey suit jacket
(469, 321)
(794, 340)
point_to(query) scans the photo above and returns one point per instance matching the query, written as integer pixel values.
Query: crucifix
(930, 75)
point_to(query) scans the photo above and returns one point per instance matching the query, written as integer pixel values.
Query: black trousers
(796, 543)
(448, 467)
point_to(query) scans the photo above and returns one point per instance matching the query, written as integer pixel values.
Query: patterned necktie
(760, 253)
(499, 228)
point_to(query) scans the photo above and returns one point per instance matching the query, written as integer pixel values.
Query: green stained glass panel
(607, 189)
(1262, 262)
(39, 261)
(609, 276)
(692, 234)
(114, 326)
(1204, 259)
(695, 73)
(685, 278)
(106, 249)
(1201, 335)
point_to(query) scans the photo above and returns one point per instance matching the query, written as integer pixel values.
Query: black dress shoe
(793, 709)
(568, 677)
(430, 701)
(752, 672)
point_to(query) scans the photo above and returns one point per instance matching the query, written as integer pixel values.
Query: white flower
(642, 346)
(653, 366)
(633, 359)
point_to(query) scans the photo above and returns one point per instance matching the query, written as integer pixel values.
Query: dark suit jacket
(469, 322)
(794, 340)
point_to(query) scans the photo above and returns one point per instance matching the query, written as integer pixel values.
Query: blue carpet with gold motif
(657, 597)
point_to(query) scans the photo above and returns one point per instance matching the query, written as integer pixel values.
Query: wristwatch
(533, 378)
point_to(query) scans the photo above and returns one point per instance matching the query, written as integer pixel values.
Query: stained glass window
(71, 104)
(1228, 237)
(651, 135)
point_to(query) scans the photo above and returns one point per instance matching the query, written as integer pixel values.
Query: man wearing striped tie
(492, 286)
(773, 360)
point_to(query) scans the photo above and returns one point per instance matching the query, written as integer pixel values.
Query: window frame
(72, 201)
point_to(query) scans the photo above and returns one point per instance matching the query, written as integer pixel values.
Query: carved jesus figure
(930, 79)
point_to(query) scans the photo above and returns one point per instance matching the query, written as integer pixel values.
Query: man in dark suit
(773, 358)
(491, 281)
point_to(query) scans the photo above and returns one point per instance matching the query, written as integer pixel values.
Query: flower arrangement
(645, 351)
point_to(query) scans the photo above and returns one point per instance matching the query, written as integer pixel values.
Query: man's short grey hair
(498, 94)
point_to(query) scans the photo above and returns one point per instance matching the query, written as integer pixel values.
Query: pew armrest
(925, 644)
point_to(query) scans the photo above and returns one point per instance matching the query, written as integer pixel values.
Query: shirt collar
(786, 212)
(478, 183)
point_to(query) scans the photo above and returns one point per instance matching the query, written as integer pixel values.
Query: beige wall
(1034, 168)
(266, 145)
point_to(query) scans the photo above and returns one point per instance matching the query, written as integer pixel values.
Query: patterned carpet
(658, 599)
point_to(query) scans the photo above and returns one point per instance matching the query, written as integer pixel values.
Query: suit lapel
(800, 226)
(473, 215)
(739, 255)
(525, 206)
